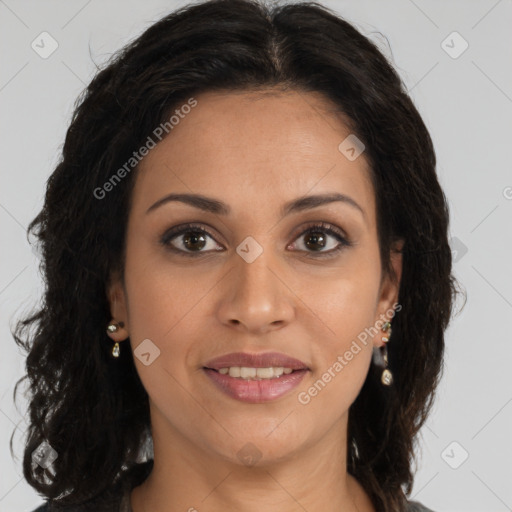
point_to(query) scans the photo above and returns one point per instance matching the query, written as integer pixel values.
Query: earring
(386, 377)
(111, 328)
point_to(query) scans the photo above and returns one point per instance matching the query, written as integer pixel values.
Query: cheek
(161, 310)
(157, 316)
(344, 314)
(164, 314)
(160, 294)
(334, 387)
(343, 349)
(344, 302)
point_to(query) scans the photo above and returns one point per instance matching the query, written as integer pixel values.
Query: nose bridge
(253, 278)
(258, 299)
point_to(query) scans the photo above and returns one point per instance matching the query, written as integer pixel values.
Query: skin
(254, 152)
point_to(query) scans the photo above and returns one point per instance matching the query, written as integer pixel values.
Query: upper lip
(264, 360)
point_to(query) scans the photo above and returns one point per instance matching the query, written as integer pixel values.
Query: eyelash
(322, 227)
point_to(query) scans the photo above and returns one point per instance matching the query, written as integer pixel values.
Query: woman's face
(253, 282)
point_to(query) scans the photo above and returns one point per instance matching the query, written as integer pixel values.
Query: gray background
(466, 103)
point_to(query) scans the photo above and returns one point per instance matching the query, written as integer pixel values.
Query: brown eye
(194, 240)
(189, 240)
(317, 239)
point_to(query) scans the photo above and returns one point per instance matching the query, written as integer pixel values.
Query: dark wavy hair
(92, 409)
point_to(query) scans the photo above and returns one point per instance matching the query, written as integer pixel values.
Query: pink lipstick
(237, 375)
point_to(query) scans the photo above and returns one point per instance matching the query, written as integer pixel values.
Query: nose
(256, 298)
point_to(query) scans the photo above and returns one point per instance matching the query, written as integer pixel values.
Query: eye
(317, 241)
(191, 239)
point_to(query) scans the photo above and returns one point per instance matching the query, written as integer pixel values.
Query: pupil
(193, 238)
(316, 237)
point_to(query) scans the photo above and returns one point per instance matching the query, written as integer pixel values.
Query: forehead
(264, 146)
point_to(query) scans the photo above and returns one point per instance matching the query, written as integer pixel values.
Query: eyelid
(199, 226)
(322, 225)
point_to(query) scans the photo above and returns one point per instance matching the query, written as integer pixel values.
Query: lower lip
(256, 391)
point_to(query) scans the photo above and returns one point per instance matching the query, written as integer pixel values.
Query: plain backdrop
(455, 59)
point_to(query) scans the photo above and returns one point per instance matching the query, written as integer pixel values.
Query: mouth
(247, 362)
(252, 373)
(255, 378)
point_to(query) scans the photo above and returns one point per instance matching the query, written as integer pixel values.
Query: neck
(190, 477)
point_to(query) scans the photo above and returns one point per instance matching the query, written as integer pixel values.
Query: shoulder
(107, 502)
(113, 499)
(416, 506)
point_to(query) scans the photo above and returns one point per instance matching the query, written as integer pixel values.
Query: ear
(118, 308)
(390, 285)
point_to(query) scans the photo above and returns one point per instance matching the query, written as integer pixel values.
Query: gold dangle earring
(112, 327)
(387, 376)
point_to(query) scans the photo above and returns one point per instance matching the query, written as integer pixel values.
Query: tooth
(249, 373)
(264, 373)
(245, 372)
(234, 371)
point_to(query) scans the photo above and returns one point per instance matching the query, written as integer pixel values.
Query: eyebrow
(217, 207)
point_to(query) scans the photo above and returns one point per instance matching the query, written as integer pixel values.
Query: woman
(248, 276)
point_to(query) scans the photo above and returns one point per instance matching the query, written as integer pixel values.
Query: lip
(263, 360)
(255, 391)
